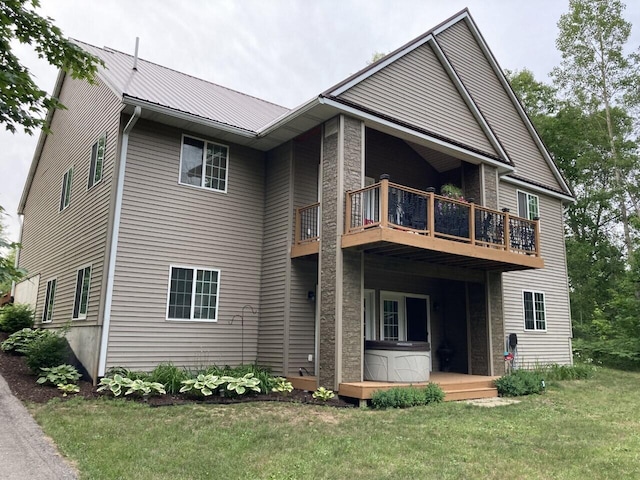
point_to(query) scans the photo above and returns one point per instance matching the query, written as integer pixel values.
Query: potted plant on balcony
(451, 218)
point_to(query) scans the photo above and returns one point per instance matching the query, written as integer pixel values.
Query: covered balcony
(390, 219)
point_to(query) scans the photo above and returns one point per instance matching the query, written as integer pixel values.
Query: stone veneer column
(478, 331)
(496, 321)
(494, 281)
(340, 335)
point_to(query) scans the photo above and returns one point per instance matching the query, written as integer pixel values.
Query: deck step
(470, 394)
(488, 383)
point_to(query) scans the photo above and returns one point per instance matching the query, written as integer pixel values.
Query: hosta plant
(67, 388)
(282, 385)
(18, 341)
(323, 394)
(241, 384)
(204, 384)
(62, 374)
(118, 384)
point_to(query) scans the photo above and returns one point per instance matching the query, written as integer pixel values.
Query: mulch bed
(23, 385)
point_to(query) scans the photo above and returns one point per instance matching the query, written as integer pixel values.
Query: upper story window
(534, 310)
(204, 164)
(65, 196)
(47, 313)
(97, 160)
(193, 294)
(528, 205)
(81, 302)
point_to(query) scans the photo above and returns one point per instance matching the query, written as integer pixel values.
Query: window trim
(66, 188)
(193, 288)
(46, 312)
(92, 182)
(518, 192)
(544, 311)
(81, 316)
(201, 186)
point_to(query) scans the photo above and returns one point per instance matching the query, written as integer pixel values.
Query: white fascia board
(188, 117)
(366, 74)
(538, 189)
(466, 96)
(502, 167)
(450, 23)
(525, 118)
(287, 117)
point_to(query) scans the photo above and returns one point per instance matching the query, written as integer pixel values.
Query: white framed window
(528, 205)
(81, 302)
(193, 294)
(49, 299)
(65, 195)
(204, 164)
(97, 160)
(535, 316)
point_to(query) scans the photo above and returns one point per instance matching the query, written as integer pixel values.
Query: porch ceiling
(409, 246)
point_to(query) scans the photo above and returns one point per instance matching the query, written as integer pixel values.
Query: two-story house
(169, 219)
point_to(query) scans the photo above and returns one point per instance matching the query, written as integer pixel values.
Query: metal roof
(181, 92)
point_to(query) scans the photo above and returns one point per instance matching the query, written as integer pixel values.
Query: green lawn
(579, 429)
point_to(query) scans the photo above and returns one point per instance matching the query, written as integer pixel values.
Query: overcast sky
(284, 51)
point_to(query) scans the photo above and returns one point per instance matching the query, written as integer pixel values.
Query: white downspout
(114, 241)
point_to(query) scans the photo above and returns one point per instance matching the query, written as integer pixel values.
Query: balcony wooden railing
(389, 205)
(306, 233)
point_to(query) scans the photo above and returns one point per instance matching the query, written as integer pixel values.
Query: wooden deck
(394, 220)
(456, 386)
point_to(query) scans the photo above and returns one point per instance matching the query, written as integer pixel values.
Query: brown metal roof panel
(164, 86)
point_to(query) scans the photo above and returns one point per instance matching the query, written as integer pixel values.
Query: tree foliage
(586, 120)
(22, 102)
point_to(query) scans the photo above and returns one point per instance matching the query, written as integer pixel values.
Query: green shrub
(169, 375)
(578, 371)
(404, 397)
(17, 342)
(519, 383)
(203, 384)
(125, 372)
(618, 353)
(48, 350)
(15, 317)
(62, 374)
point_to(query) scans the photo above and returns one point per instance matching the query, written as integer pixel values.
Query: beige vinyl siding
(56, 244)
(553, 345)
(166, 224)
(393, 156)
(489, 95)
(278, 210)
(304, 271)
(416, 89)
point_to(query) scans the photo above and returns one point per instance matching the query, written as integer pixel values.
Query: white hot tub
(406, 362)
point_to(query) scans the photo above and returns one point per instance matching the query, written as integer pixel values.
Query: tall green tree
(596, 75)
(22, 102)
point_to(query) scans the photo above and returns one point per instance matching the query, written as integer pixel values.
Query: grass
(580, 429)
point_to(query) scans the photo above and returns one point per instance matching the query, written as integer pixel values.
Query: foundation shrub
(15, 317)
(519, 383)
(407, 397)
(48, 350)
